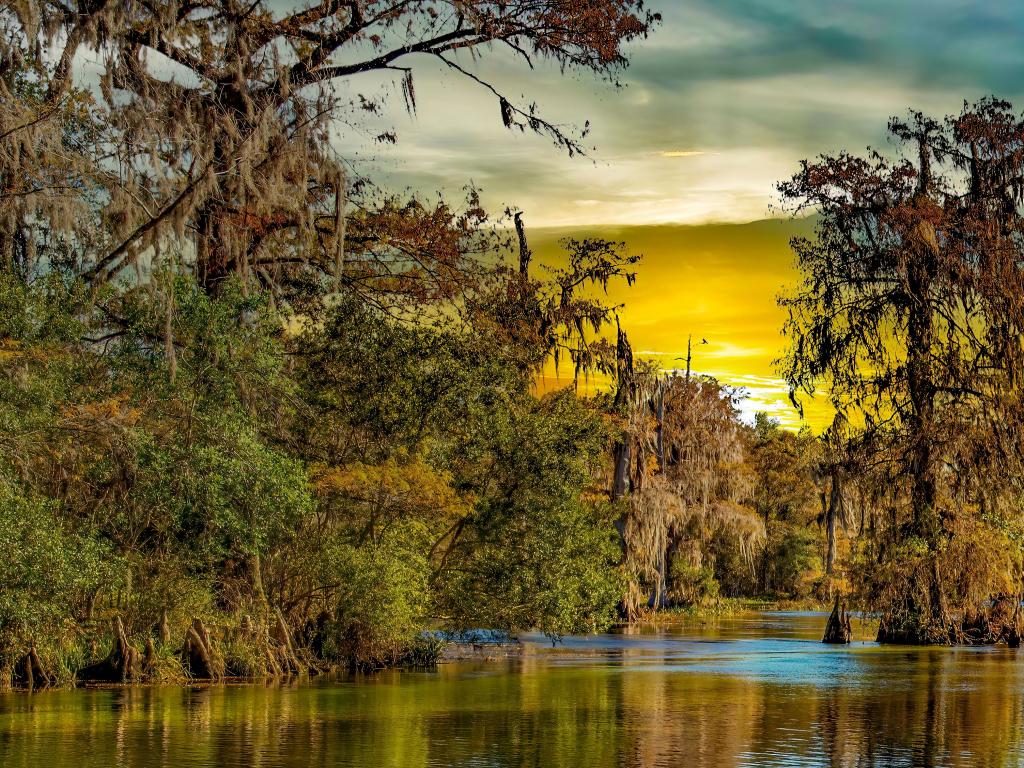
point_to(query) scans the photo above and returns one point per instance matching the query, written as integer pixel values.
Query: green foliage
(692, 585)
(550, 567)
(787, 498)
(226, 494)
(208, 457)
(308, 412)
(384, 599)
(536, 554)
(42, 312)
(44, 572)
(791, 560)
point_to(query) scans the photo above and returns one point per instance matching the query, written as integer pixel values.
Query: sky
(716, 283)
(720, 103)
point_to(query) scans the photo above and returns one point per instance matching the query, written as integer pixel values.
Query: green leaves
(539, 553)
(45, 570)
(224, 493)
(206, 455)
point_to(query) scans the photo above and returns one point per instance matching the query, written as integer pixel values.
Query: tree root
(838, 630)
(199, 655)
(272, 651)
(122, 665)
(284, 648)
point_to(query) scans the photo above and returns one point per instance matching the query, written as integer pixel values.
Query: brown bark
(286, 657)
(838, 630)
(256, 575)
(624, 391)
(122, 665)
(525, 254)
(659, 430)
(620, 483)
(30, 672)
(925, 619)
(164, 628)
(832, 512)
(149, 658)
(659, 594)
(999, 622)
(199, 654)
(1015, 629)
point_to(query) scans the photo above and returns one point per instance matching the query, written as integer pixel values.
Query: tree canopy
(213, 122)
(909, 314)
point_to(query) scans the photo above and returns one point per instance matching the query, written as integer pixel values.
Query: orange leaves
(415, 251)
(598, 28)
(10, 349)
(116, 410)
(401, 486)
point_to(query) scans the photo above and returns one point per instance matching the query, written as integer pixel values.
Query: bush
(691, 584)
(382, 604)
(43, 571)
(791, 561)
(425, 651)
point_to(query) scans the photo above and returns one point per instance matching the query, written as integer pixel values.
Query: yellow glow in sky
(718, 282)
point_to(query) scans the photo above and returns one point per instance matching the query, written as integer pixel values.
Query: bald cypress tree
(909, 314)
(220, 115)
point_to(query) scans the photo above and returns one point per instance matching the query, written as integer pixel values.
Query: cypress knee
(122, 665)
(201, 658)
(30, 673)
(838, 630)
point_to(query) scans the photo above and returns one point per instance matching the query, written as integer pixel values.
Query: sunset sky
(717, 282)
(723, 101)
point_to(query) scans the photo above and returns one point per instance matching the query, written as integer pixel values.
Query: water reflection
(750, 692)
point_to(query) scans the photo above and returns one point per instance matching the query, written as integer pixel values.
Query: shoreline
(480, 649)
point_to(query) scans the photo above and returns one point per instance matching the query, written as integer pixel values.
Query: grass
(730, 606)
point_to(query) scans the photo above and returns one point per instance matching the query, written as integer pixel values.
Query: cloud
(740, 89)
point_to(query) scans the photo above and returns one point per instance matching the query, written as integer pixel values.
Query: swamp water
(753, 690)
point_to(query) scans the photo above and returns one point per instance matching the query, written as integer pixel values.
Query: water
(757, 690)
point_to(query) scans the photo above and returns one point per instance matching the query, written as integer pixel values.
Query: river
(752, 690)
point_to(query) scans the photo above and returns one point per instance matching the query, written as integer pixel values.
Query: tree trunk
(830, 527)
(164, 628)
(525, 254)
(659, 593)
(149, 658)
(256, 575)
(838, 630)
(1016, 628)
(923, 617)
(833, 510)
(620, 483)
(659, 414)
(624, 391)
(199, 654)
(30, 673)
(285, 650)
(122, 665)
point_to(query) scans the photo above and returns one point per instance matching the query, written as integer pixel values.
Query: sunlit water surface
(758, 690)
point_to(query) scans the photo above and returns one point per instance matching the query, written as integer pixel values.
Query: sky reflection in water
(751, 691)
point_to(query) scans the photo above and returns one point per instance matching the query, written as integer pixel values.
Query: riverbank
(729, 606)
(757, 690)
(483, 646)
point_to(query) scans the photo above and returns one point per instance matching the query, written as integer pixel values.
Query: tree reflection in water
(720, 697)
